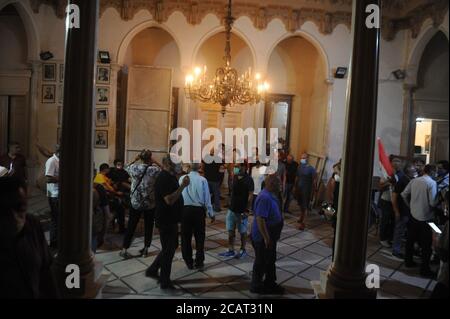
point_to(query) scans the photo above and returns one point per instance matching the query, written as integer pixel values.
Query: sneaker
(125, 255)
(398, 256)
(385, 243)
(168, 286)
(241, 254)
(301, 226)
(229, 253)
(199, 265)
(190, 265)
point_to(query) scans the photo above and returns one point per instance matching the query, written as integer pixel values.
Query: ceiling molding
(397, 15)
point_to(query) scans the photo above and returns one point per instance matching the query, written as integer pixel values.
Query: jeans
(214, 188)
(264, 265)
(119, 212)
(54, 214)
(288, 196)
(399, 232)
(193, 223)
(387, 220)
(169, 243)
(421, 232)
(149, 221)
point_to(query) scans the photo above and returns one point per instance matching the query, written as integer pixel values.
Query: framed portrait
(101, 117)
(61, 73)
(60, 93)
(60, 114)
(48, 94)
(101, 139)
(49, 72)
(102, 95)
(58, 135)
(103, 75)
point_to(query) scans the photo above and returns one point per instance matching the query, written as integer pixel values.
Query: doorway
(431, 140)
(13, 122)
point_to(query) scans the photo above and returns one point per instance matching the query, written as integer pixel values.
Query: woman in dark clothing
(25, 259)
(333, 196)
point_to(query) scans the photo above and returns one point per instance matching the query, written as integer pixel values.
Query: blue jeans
(399, 232)
(214, 188)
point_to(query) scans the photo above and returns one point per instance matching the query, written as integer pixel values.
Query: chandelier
(227, 88)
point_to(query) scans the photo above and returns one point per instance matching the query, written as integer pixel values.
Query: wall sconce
(46, 55)
(341, 72)
(399, 74)
(104, 57)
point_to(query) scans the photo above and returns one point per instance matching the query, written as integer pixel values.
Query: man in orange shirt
(115, 196)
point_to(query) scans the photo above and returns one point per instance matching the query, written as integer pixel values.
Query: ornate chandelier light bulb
(227, 88)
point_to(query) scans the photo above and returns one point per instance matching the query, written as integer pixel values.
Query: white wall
(334, 49)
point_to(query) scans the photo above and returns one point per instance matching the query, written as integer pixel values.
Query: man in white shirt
(52, 176)
(197, 202)
(421, 196)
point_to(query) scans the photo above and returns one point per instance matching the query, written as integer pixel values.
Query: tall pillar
(346, 277)
(408, 127)
(76, 165)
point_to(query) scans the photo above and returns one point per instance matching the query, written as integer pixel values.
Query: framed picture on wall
(101, 139)
(101, 117)
(427, 143)
(102, 95)
(61, 73)
(60, 93)
(49, 72)
(48, 94)
(103, 75)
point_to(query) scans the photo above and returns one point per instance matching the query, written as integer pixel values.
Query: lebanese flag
(386, 166)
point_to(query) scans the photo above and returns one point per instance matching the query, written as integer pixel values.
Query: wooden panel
(18, 125)
(3, 124)
(149, 97)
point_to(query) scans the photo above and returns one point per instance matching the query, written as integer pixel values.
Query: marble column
(76, 165)
(346, 277)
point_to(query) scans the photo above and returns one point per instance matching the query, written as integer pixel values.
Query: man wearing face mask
(25, 261)
(197, 202)
(237, 216)
(401, 210)
(304, 187)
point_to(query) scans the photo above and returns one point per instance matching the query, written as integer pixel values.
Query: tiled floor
(301, 257)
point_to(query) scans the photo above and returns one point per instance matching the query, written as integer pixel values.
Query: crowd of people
(178, 199)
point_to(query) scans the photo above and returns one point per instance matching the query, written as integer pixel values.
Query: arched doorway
(296, 67)
(430, 101)
(149, 88)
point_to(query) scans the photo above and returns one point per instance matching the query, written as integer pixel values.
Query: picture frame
(427, 144)
(60, 93)
(102, 95)
(48, 94)
(61, 73)
(101, 139)
(60, 115)
(103, 74)
(102, 117)
(49, 72)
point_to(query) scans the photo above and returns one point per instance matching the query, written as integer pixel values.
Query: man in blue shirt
(266, 230)
(304, 187)
(197, 201)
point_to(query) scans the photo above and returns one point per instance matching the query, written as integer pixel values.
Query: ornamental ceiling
(326, 14)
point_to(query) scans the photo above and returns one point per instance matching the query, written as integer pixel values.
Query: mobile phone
(435, 228)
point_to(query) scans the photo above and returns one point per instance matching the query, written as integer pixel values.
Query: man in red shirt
(15, 162)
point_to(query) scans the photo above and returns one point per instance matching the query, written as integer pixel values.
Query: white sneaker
(385, 243)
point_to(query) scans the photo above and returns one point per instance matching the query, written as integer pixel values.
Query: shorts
(234, 220)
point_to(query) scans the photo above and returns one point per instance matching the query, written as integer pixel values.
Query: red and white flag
(385, 163)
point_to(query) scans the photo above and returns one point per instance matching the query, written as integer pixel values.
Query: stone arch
(122, 51)
(412, 69)
(30, 27)
(310, 38)
(217, 30)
